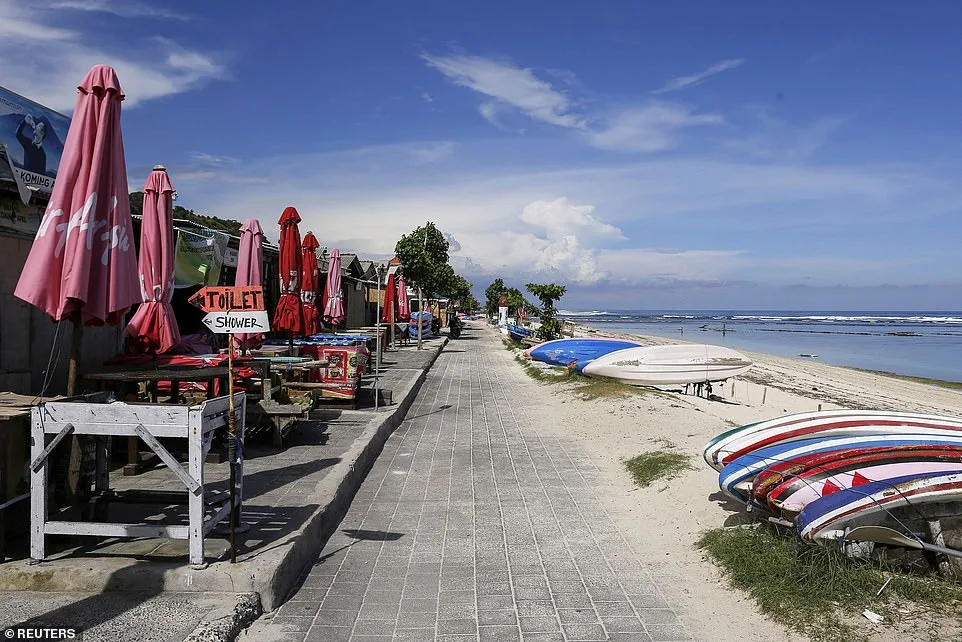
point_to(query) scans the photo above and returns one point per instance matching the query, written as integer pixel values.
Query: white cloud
(433, 153)
(649, 128)
(683, 82)
(722, 221)
(122, 8)
(510, 85)
(427, 97)
(45, 62)
(561, 218)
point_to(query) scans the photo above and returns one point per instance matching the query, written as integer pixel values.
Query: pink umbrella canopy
(288, 316)
(250, 271)
(333, 297)
(154, 326)
(403, 305)
(82, 263)
(309, 282)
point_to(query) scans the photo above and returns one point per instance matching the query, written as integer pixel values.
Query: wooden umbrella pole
(232, 450)
(75, 343)
(75, 458)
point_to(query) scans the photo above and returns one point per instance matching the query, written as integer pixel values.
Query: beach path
(478, 522)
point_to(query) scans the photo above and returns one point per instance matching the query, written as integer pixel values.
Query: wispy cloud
(433, 152)
(683, 82)
(204, 167)
(653, 127)
(45, 61)
(121, 8)
(510, 85)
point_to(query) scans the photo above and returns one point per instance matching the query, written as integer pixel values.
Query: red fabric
(288, 317)
(154, 326)
(250, 271)
(309, 284)
(390, 300)
(82, 260)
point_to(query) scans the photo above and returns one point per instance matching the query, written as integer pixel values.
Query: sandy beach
(666, 519)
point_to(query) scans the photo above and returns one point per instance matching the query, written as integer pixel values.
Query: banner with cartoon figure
(34, 137)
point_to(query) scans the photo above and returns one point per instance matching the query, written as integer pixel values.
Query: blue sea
(920, 344)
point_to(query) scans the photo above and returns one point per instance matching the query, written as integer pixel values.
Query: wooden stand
(196, 424)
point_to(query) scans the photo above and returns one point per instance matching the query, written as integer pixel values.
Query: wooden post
(232, 449)
(764, 394)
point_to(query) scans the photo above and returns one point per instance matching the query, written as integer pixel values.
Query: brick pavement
(476, 523)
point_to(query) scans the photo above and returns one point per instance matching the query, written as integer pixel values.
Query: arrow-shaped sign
(238, 321)
(225, 299)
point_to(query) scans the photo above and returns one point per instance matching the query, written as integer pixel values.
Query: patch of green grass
(817, 591)
(603, 388)
(649, 467)
(542, 375)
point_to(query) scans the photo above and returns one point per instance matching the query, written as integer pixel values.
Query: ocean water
(920, 344)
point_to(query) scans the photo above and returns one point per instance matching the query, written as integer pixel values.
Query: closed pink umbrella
(250, 271)
(309, 283)
(154, 326)
(334, 303)
(403, 305)
(82, 264)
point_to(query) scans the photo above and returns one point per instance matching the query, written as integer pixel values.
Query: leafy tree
(492, 295)
(548, 293)
(459, 290)
(424, 261)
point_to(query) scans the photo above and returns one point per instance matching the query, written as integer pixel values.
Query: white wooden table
(53, 421)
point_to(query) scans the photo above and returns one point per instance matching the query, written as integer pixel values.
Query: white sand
(665, 520)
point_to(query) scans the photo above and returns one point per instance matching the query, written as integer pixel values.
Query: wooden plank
(168, 459)
(42, 457)
(114, 530)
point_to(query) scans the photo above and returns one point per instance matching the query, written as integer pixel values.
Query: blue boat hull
(580, 351)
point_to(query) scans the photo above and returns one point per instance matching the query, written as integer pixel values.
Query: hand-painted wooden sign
(229, 299)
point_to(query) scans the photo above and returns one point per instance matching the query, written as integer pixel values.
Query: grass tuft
(555, 375)
(816, 591)
(649, 467)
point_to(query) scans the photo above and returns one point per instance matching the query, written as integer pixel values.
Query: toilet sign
(233, 310)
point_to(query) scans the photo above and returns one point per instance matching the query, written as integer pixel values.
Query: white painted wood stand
(147, 421)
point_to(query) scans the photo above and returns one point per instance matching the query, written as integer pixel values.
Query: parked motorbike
(454, 327)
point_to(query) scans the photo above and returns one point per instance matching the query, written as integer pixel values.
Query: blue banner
(34, 137)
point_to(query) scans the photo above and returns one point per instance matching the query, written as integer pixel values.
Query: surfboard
(670, 365)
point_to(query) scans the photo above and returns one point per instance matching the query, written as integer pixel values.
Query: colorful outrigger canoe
(786, 488)
(747, 439)
(827, 519)
(736, 478)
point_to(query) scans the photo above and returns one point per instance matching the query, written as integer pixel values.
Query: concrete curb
(270, 574)
(226, 624)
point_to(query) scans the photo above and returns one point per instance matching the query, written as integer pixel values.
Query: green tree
(492, 295)
(459, 291)
(548, 293)
(424, 261)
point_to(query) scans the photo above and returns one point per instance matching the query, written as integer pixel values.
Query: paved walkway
(475, 524)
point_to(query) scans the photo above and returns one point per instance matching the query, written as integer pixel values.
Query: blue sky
(648, 155)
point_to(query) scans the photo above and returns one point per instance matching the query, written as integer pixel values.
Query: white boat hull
(670, 365)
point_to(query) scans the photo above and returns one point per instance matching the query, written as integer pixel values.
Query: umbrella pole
(75, 462)
(420, 316)
(232, 450)
(75, 343)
